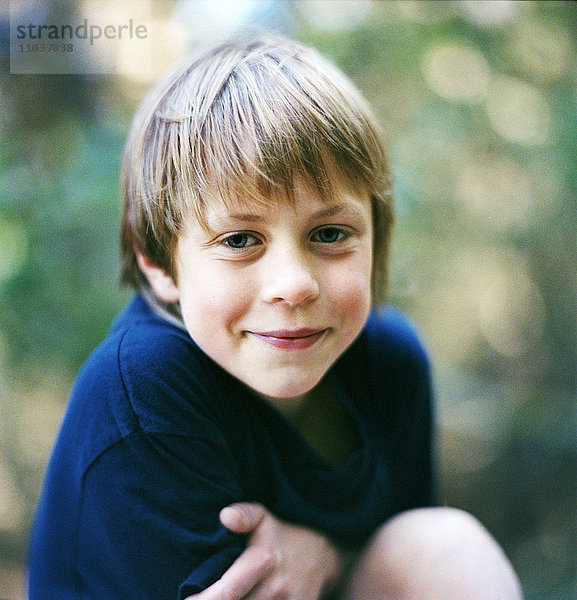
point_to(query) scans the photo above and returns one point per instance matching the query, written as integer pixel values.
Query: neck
(290, 408)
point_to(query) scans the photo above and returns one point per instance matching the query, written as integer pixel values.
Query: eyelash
(239, 234)
(342, 235)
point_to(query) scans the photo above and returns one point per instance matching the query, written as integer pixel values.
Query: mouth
(291, 339)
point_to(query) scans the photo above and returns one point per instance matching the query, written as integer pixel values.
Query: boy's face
(275, 295)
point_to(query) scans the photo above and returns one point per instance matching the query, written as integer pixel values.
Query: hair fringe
(244, 122)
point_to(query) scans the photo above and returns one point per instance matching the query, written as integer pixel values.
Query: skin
(281, 560)
(421, 554)
(275, 295)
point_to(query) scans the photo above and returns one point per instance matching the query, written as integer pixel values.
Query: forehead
(303, 200)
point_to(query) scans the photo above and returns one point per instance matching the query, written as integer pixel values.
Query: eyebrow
(330, 211)
(246, 217)
(333, 210)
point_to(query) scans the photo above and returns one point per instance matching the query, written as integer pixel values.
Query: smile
(298, 339)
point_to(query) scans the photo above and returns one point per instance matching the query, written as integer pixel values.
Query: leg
(432, 554)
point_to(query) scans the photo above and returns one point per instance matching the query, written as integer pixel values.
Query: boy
(249, 424)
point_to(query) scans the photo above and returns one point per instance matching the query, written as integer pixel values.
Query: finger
(247, 571)
(242, 517)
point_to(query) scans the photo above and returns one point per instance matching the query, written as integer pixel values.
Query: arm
(281, 560)
(149, 520)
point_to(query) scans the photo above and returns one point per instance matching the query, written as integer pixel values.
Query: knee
(437, 553)
(428, 531)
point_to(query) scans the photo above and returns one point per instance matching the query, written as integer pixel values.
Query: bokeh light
(490, 13)
(511, 310)
(545, 49)
(335, 16)
(519, 112)
(457, 72)
(478, 102)
(499, 191)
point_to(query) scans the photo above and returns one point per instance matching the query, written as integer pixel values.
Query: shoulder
(140, 342)
(150, 372)
(150, 348)
(393, 339)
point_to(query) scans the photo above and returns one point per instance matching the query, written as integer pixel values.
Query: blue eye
(237, 241)
(329, 235)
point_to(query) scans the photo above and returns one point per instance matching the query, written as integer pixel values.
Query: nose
(289, 280)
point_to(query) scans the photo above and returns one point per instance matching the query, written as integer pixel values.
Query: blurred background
(478, 102)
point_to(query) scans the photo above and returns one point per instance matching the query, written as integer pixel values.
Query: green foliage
(480, 113)
(58, 272)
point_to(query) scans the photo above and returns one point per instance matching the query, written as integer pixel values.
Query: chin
(289, 389)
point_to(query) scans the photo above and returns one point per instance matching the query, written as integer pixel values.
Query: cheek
(212, 303)
(350, 290)
(358, 304)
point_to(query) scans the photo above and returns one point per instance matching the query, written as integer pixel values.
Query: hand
(281, 561)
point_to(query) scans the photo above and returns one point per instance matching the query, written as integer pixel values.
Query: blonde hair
(243, 121)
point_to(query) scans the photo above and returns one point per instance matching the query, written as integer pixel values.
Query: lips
(291, 339)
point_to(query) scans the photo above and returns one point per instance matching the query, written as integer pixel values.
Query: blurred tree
(478, 102)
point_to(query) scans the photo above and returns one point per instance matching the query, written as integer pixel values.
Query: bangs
(245, 123)
(267, 124)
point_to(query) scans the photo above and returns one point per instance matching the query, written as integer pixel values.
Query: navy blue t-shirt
(157, 439)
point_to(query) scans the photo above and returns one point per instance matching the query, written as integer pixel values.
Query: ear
(160, 281)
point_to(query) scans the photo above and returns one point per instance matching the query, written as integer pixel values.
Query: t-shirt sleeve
(401, 380)
(149, 519)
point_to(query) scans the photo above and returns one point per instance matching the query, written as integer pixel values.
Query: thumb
(242, 517)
